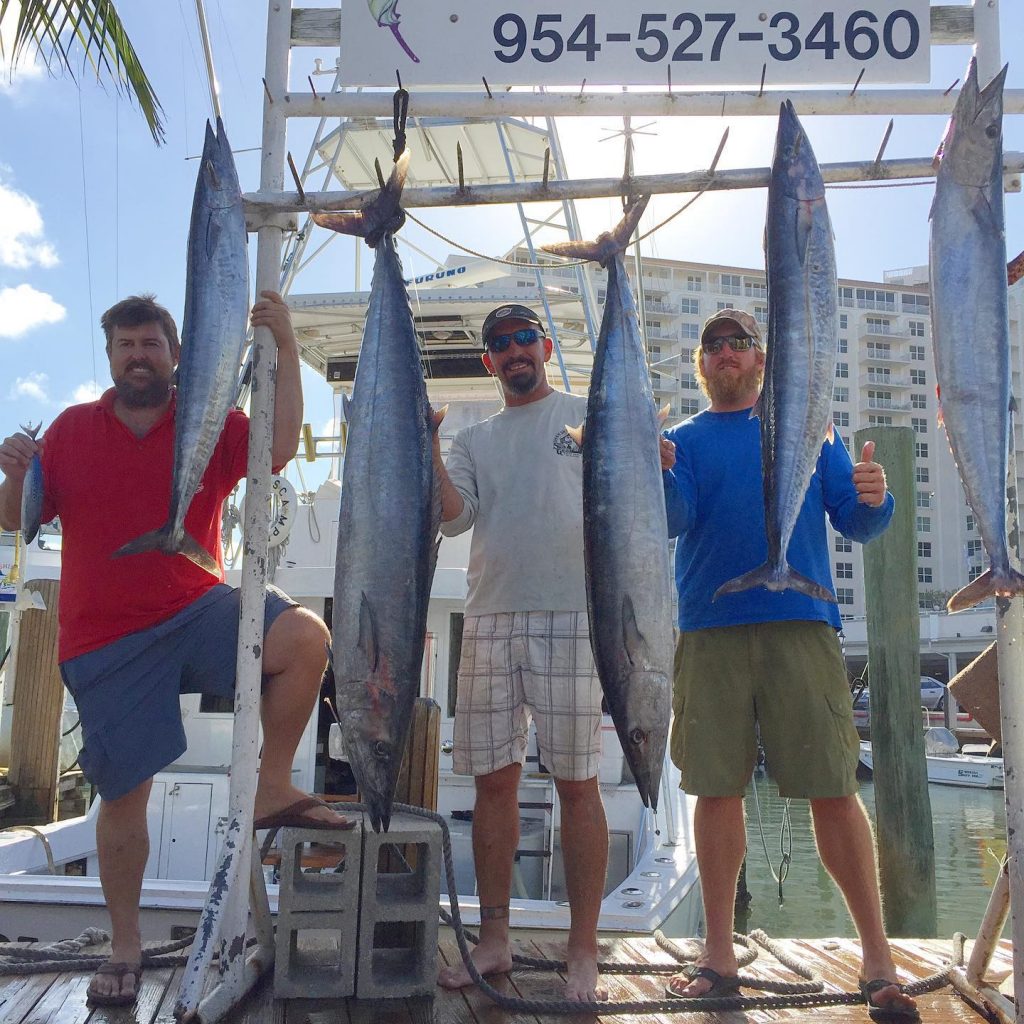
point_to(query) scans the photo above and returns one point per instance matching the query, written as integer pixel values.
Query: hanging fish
(32, 492)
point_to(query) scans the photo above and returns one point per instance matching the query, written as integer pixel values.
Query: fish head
(217, 185)
(795, 172)
(972, 148)
(644, 731)
(375, 756)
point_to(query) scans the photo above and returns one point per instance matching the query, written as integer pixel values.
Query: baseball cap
(513, 311)
(738, 316)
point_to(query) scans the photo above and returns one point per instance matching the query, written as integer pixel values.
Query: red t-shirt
(108, 487)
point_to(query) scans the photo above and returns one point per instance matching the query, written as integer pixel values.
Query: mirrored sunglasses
(524, 337)
(737, 342)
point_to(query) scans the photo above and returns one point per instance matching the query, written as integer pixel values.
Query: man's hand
(869, 477)
(667, 453)
(15, 455)
(273, 312)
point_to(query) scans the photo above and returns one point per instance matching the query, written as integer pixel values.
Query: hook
(582, 87)
(488, 88)
(309, 78)
(885, 142)
(295, 175)
(266, 89)
(760, 88)
(718, 154)
(401, 113)
(547, 165)
(669, 69)
(859, 77)
(952, 87)
(380, 173)
(462, 173)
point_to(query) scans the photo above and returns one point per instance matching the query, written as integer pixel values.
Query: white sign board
(607, 42)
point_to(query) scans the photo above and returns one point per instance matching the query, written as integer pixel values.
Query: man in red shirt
(137, 631)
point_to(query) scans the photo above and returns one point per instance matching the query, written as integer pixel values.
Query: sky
(91, 210)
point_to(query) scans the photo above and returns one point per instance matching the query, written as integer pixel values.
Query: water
(969, 826)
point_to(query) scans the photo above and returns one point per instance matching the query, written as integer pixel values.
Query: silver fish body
(387, 525)
(795, 402)
(970, 321)
(213, 338)
(625, 534)
(32, 493)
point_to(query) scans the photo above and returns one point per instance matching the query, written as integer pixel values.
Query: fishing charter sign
(608, 42)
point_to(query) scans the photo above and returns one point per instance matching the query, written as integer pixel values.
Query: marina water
(969, 826)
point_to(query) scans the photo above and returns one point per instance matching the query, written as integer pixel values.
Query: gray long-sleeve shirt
(521, 478)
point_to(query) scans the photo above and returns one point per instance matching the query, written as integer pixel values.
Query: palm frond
(56, 28)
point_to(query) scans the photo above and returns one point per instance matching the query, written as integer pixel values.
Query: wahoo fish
(389, 519)
(213, 337)
(970, 321)
(32, 492)
(625, 534)
(795, 402)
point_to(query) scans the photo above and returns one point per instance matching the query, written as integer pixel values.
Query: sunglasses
(737, 342)
(524, 337)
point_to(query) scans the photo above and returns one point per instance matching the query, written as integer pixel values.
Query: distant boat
(950, 767)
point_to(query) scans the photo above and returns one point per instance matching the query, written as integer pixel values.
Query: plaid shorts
(518, 665)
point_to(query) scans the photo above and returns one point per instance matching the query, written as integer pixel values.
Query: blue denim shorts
(127, 691)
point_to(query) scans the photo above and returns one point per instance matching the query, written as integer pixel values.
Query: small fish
(32, 492)
(795, 402)
(629, 580)
(212, 340)
(970, 321)
(388, 521)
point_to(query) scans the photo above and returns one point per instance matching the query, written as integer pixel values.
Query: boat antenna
(211, 74)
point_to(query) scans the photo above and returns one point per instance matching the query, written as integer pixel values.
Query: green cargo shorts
(789, 678)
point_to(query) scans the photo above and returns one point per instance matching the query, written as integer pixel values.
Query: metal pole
(211, 74)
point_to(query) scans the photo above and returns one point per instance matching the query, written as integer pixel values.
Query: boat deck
(60, 998)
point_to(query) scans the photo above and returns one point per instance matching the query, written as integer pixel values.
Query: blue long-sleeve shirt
(715, 505)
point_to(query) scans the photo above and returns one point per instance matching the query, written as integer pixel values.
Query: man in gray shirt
(516, 478)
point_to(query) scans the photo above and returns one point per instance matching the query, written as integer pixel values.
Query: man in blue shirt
(765, 658)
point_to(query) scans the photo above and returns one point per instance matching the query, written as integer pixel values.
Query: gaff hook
(401, 108)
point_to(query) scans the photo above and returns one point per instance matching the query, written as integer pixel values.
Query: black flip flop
(892, 1013)
(721, 984)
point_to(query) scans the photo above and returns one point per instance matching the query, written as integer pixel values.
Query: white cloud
(331, 428)
(28, 67)
(22, 239)
(87, 392)
(32, 386)
(23, 307)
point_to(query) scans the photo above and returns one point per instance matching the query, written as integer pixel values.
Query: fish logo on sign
(385, 13)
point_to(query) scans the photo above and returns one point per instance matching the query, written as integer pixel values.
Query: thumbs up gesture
(869, 477)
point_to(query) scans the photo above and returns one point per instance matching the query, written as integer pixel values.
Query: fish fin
(632, 639)
(436, 417)
(989, 584)
(347, 405)
(830, 433)
(1014, 408)
(432, 554)
(160, 540)
(757, 411)
(804, 227)
(367, 633)
(772, 579)
(576, 433)
(609, 243)
(663, 413)
(383, 215)
(213, 233)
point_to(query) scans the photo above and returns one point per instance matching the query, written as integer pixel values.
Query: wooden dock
(60, 998)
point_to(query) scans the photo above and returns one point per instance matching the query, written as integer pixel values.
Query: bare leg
(122, 845)
(294, 657)
(585, 855)
(847, 849)
(721, 841)
(495, 838)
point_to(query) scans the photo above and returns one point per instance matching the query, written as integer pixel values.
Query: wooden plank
(64, 1002)
(483, 1009)
(314, 27)
(38, 704)
(19, 993)
(165, 1011)
(152, 990)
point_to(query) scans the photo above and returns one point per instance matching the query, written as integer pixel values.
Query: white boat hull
(954, 769)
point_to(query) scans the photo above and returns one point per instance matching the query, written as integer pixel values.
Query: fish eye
(380, 750)
(638, 736)
(992, 131)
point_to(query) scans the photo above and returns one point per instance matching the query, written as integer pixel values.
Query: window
(920, 424)
(602, 293)
(921, 449)
(879, 421)
(688, 381)
(924, 574)
(755, 289)
(846, 297)
(973, 548)
(841, 418)
(916, 328)
(840, 393)
(842, 370)
(685, 356)
(688, 406)
(918, 377)
(844, 321)
(924, 499)
(722, 305)
(694, 283)
(844, 570)
(921, 474)
(689, 331)
(918, 401)
(880, 399)
(844, 346)
(730, 284)
(917, 353)
(844, 595)
(970, 522)
(843, 544)
(975, 572)
(915, 303)
(924, 549)
(924, 524)
(879, 350)
(876, 298)
(877, 325)
(691, 306)
(761, 314)
(879, 374)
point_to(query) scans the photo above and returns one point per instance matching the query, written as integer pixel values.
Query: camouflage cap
(740, 317)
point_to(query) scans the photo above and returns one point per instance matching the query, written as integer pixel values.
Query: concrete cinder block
(398, 910)
(318, 918)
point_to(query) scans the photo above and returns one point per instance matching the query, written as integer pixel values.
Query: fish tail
(772, 578)
(382, 216)
(991, 583)
(609, 243)
(163, 540)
